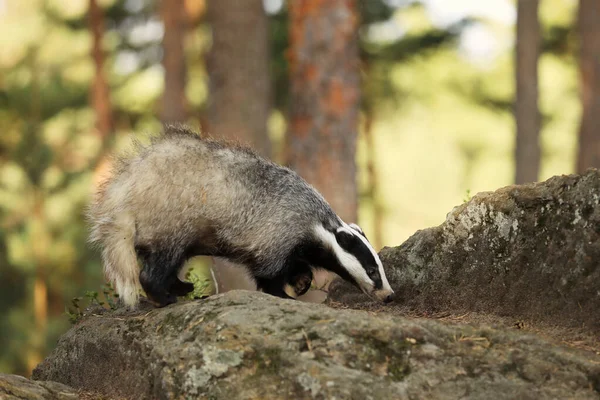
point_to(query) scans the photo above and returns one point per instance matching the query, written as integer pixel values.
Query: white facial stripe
(346, 229)
(356, 228)
(384, 281)
(348, 261)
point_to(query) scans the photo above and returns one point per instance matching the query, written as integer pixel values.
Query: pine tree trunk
(100, 90)
(527, 151)
(37, 338)
(325, 96)
(238, 67)
(100, 95)
(589, 133)
(240, 93)
(40, 250)
(324, 104)
(173, 14)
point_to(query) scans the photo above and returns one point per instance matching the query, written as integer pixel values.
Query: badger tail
(118, 255)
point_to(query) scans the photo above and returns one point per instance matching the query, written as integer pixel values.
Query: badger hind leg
(158, 276)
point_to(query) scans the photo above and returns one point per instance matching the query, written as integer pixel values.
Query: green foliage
(77, 309)
(109, 299)
(74, 312)
(373, 11)
(49, 151)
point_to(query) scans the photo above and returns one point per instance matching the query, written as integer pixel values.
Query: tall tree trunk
(240, 92)
(38, 238)
(238, 67)
(40, 286)
(173, 13)
(324, 103)
(527, 151)
(100, 90)
(325, 97)
(589, 133)
(100, 95)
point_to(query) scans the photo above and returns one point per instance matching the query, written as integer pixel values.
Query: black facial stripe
(355, 246)
(319, 256)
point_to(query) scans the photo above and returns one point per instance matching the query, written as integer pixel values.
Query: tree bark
(527, 151)
(589, 133)
(240, 93)
(324, 103)
(238, 67)
(100, 95)
(100, 90)
(173, 14)
(40, 247)
(324, 97)
(38, 237)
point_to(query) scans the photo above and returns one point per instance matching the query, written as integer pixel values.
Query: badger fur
(184, 195)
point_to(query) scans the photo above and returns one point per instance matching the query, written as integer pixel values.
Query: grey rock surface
(249, 345)
(18, 387)
(530, 251)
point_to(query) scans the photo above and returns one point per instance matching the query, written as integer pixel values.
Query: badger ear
(344, 238)
(357, 229)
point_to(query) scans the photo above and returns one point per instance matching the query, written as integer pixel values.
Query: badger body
(183, 196)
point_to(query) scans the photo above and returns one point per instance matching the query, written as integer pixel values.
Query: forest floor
(574, 338)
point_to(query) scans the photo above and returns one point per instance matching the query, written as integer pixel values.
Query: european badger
(184, 196)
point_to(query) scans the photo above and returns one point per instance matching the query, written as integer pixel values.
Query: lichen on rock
(18, 387)
(250, 345)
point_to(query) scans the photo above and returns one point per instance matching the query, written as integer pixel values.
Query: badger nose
(389, 298)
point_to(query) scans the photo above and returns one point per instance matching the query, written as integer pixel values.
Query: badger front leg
(299, 280)
(273, 286)
(291, 284)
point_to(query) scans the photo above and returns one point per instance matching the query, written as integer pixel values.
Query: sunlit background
(443, 126)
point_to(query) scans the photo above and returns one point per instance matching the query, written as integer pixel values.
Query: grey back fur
(183, 187)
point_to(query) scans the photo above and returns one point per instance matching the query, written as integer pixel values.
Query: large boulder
(530, 251)
(249, 345)
(19, 388)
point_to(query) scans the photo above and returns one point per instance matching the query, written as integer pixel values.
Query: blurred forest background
(395, 109)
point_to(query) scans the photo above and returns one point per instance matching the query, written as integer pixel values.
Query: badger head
(355, 260)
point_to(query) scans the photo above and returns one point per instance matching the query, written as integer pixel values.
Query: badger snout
(385, 296)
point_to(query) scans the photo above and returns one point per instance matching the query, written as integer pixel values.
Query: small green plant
(110, 298)
(467, 197)
(76, 311)
(92, 296)
(110, 295)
